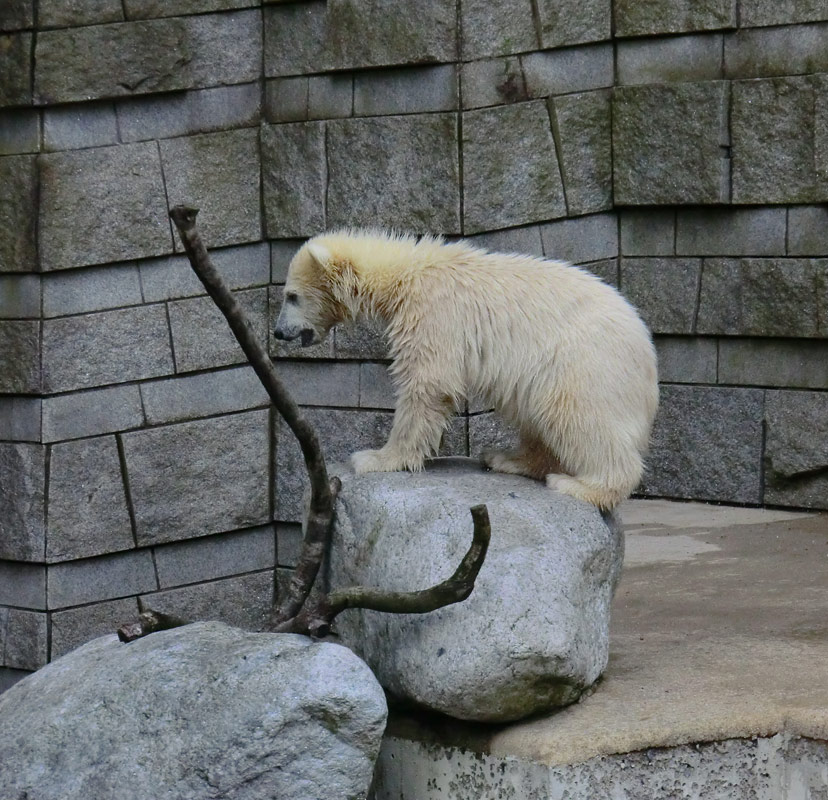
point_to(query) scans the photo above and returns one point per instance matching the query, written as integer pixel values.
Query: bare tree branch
(149, 621)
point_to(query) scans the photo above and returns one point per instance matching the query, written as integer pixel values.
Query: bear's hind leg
(605, 497)
(532, 459)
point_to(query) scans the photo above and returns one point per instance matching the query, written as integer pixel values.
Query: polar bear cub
(561, 355)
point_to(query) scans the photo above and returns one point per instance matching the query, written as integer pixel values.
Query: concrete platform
(717, 685)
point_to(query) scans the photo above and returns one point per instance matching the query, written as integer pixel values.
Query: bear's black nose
(279, 334)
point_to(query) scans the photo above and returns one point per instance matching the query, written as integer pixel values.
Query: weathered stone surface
(201, 336)
(510, 170)
(374, 33)
(375, 387)
(341, 433)
(405, 91)
(17, 218)
(295, 39)
(20, 418)
(518, 645)
(214, 557)
(398, 171)
(74, 13)
(707, 445)
(25, 639)
(87, 513)
(288, 543)
(807, 230)
(140, 9)
(667, 144)
(93, 289)
(678, 58)
(330, 96)
(575, 69)
(731, 232)
(22, 498)
(75, 627)
(316, 711)
(526, 239)
(20, 356)
(781, 12)
(563, 22)
(758, 297)
(286, 99)
(72, 416)
(489, 431)
(219, 174)
(191, 479)
(796, 466)
(16, 69)
(684, 359)
(19, 131)
(773, 150)
(496, 29)
(788, 50)
(607, 270)
(583, 130)
(107, 347)
(196, 111)
(321, 384)
(9, 676)
(648, 232)
(16, 15)
(634, 18)
(794, 363)
(581, 239)
(103, 204)
(493, 82)
(149, 56)
(294, 175)
(23, 585)
(364, 339)
(19, 296)
(89, 580)
(664, 290)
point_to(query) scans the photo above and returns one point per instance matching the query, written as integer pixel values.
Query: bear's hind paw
(375, 461)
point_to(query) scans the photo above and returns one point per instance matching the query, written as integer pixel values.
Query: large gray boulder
(532, 636)
(204, 711)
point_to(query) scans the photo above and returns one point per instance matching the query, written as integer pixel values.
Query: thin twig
(149, 621)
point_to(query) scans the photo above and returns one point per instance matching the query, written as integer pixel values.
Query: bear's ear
(320, 254)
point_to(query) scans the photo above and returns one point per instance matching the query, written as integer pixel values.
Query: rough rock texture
(17, 245)
(534, 632)
(635, 18)
(563, 22)
(204, 711)
(22, 497)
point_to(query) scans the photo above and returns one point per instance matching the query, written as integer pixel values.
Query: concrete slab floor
(719, 632)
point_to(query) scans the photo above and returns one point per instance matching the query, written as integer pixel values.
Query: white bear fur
(561, 355)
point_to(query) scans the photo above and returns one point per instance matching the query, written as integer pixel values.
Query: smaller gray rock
(534, 632)
(203, 711)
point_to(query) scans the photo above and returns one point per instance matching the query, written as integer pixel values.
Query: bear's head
(312, 303)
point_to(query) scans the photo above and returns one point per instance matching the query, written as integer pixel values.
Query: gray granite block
(782, 363)
(526, 239)
(16, 69)
(374, 33)
(18, 201)
(664, 290)
(26, 639)
(496, 29)
(244, 601)
(781, 12)
(87, 513)
(314, 383)
(140, 9)
(330, 96)
(796, 467)
(648, 232)
(288, 543)
(147, 56)
(341, 433)
(731, 232)
(170, 277)
(759, 297)
(365, 339)
(74, 583)
(74, 127)
(16, 15)
(200, 477)
(20, 357)
(670, 60)
(766, 52)
(79, 414)
(376, 389)
(220, 556)
(489, 431)
(196, 111)
(106, 347)
(100, 205)
(808, 231)
(19, 131)
(202, 395)
(23, 585)
(22, 503)
(510, 170)
(281, 254)
(636, 18)
(9, 677)
(668, 144)
(607, 270)
(92, 289)
(405, 91)
(563, 23)
(707, 445)
(19, 296)
(75, 13)
(286, 99)
(581, 239)
(217, 173)
(397, 171)
(582, 124)
(686, 359)
(295, 39)
(294, 178)
(74, 627)
(492, 82)
(573, 69)
(202, 339)
(20, 418)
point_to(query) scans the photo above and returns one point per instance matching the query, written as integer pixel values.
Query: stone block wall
(677, 149)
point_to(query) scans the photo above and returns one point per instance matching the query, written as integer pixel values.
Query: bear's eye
(291, 297)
